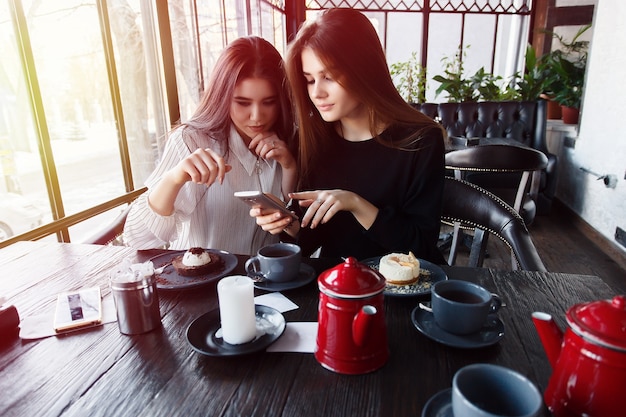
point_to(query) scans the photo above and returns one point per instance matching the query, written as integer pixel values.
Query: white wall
(601, 143)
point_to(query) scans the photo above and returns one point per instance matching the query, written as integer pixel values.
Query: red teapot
(351, 333)
(588, 361)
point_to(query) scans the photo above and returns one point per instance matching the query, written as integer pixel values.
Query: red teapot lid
(351, 279)
(602, 322)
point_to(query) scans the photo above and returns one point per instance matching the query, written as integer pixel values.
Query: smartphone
(76, 309)
(265, 201)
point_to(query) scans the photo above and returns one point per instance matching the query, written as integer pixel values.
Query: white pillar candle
(236, 299)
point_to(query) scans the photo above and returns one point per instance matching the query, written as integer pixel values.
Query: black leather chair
(491, 167)
(524, 121)
(112, 232)
(469, 206)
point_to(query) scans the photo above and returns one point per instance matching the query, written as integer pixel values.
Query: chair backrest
(476, 207)
(111, 232)
(501, 159)
(522, 120)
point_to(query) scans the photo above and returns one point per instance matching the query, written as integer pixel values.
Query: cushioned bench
(524, 121)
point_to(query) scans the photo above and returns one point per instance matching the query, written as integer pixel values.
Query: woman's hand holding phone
(269, 211)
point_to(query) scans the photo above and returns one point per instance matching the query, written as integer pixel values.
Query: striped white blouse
(207, 217)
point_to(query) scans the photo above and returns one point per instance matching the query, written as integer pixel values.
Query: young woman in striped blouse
(240, 138)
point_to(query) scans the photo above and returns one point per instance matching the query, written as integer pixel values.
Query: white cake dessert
(195, 257)
(399, 268)
(196, 261)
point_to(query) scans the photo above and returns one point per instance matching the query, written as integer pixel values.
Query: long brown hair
(245, 57)
(348, 46)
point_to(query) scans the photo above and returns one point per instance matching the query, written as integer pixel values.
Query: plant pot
(570, 115)
(554, 108)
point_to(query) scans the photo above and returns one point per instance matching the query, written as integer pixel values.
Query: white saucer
(439, 405)
(306, 275)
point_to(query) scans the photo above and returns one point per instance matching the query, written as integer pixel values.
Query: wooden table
(102, 372)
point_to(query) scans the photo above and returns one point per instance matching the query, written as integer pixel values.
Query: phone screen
(78, 309)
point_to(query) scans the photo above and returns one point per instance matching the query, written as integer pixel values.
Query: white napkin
(298, 337)
(42, 325)
(276, 300)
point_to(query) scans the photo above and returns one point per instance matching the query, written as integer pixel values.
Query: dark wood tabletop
(100, 372)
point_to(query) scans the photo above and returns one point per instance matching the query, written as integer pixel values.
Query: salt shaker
(136, 301)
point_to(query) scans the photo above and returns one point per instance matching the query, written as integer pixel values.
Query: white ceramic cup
(486, 390)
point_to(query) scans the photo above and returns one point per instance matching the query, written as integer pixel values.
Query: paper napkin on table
(42, 325)
(298, 337)
(276, 300)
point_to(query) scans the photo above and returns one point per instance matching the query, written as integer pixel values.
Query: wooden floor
(563, 247)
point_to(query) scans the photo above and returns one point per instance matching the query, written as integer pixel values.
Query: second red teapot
(588, 360)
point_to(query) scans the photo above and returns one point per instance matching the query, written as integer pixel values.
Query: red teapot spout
(362, 324)
(550, 334)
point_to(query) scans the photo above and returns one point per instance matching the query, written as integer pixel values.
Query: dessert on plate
(196, 261)
(400, 268)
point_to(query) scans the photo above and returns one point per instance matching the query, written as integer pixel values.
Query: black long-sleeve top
(405, 185)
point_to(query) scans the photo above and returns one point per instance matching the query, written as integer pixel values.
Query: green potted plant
(568, 87)
(454, 83)
(410, 79)
(532, 83)
(492, 87)
(565, 74)
(481, 86)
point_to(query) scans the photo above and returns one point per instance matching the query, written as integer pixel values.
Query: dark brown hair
(348, 46)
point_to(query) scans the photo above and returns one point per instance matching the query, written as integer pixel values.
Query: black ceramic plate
(306, 275)
(439, 405)
(169, 279)
(429, 274)
(203, 334)
(491, 332)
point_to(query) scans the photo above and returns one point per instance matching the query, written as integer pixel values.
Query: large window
(88, 90)
(201, 29)
(491, 34)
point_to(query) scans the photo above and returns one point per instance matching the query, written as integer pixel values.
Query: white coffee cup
(486, 390)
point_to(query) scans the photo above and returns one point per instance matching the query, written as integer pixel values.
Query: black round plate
(429, 274)
(202, 333)
(169, 279)
(305, 275)
(439, 405)
(491, 332)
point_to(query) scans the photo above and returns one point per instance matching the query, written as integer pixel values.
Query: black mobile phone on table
(265, 201)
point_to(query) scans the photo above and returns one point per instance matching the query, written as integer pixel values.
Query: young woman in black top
(371, 166)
